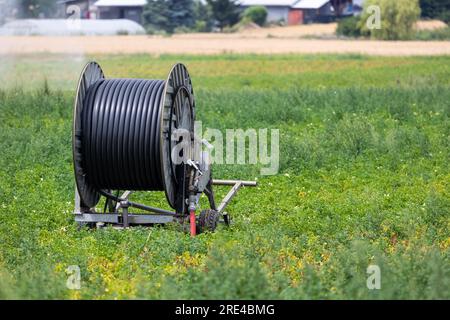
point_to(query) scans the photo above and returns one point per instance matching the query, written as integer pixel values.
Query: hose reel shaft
(138, 134)
(122, 130)
(121, 136)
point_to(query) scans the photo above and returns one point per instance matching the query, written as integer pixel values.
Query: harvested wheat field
(214, 44)
(250, 39)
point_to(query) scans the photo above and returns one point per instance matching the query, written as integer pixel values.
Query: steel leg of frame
(160, 216)
(237, 184)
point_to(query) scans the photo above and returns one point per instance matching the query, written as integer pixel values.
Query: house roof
(281, 3)
(120, 3)
(310, 4)
(69, 1)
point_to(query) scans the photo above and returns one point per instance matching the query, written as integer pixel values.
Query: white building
(67, 27)
(314, 10)
(105, 9)
(121, 9)
(277, 10)
(294, 12)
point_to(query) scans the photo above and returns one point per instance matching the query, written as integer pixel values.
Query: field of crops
(364, 179)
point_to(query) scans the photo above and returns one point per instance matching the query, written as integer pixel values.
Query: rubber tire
(208, 221)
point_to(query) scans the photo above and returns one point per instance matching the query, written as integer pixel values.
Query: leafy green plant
(167, 15)
(349, 27)
(437, 34)
(363, 180)
(435, 9)
(202, 16)
(225, 12)
(397, 19)
(256, 14)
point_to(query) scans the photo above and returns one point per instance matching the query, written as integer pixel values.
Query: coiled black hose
(121, 121)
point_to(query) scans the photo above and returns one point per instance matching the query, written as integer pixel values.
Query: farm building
(358, 6)
(106, 9)
(313, 11)
(294, 12)
(121, 9)
(85, 9)
(277, 10)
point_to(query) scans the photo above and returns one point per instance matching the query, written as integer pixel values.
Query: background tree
(397, 19)
(156, 15)
(202, 16)
(36, 8)
(182, 13)
(338, 6)
(256, 14)
(8, 10)
(349, 27)
(436, 9)
(225, 12)
(168, 15)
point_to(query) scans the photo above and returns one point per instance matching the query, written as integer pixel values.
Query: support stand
(123, 218)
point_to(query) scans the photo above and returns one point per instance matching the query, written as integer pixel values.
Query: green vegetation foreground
(364, 179)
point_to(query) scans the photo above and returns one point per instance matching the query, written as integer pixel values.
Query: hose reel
(125, 137)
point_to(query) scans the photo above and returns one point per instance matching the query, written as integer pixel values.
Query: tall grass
(437, 34)
(364, 179)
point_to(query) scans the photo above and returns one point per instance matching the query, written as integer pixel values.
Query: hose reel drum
(138, 135)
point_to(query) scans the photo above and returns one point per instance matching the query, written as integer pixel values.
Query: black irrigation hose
(121, 134)
(137, 205)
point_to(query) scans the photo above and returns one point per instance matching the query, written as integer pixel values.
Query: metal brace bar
(124, 195)
(77, 209)
(132, 218)
(151, 209)
(229, 196)
(124, 205)
(233, 182)
(161, 216)
(237, 184)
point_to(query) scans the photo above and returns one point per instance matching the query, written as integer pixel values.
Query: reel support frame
(122, 217)
(183, 183)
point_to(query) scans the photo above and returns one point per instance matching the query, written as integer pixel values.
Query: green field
(364, 179)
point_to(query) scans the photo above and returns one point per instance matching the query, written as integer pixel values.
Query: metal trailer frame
(122, 217)
(182, 196)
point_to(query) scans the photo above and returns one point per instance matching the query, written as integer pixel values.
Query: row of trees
(170, 15)
(436, 9)
(26, 9)
(36, 8)
(397, 18)
(158, 15)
